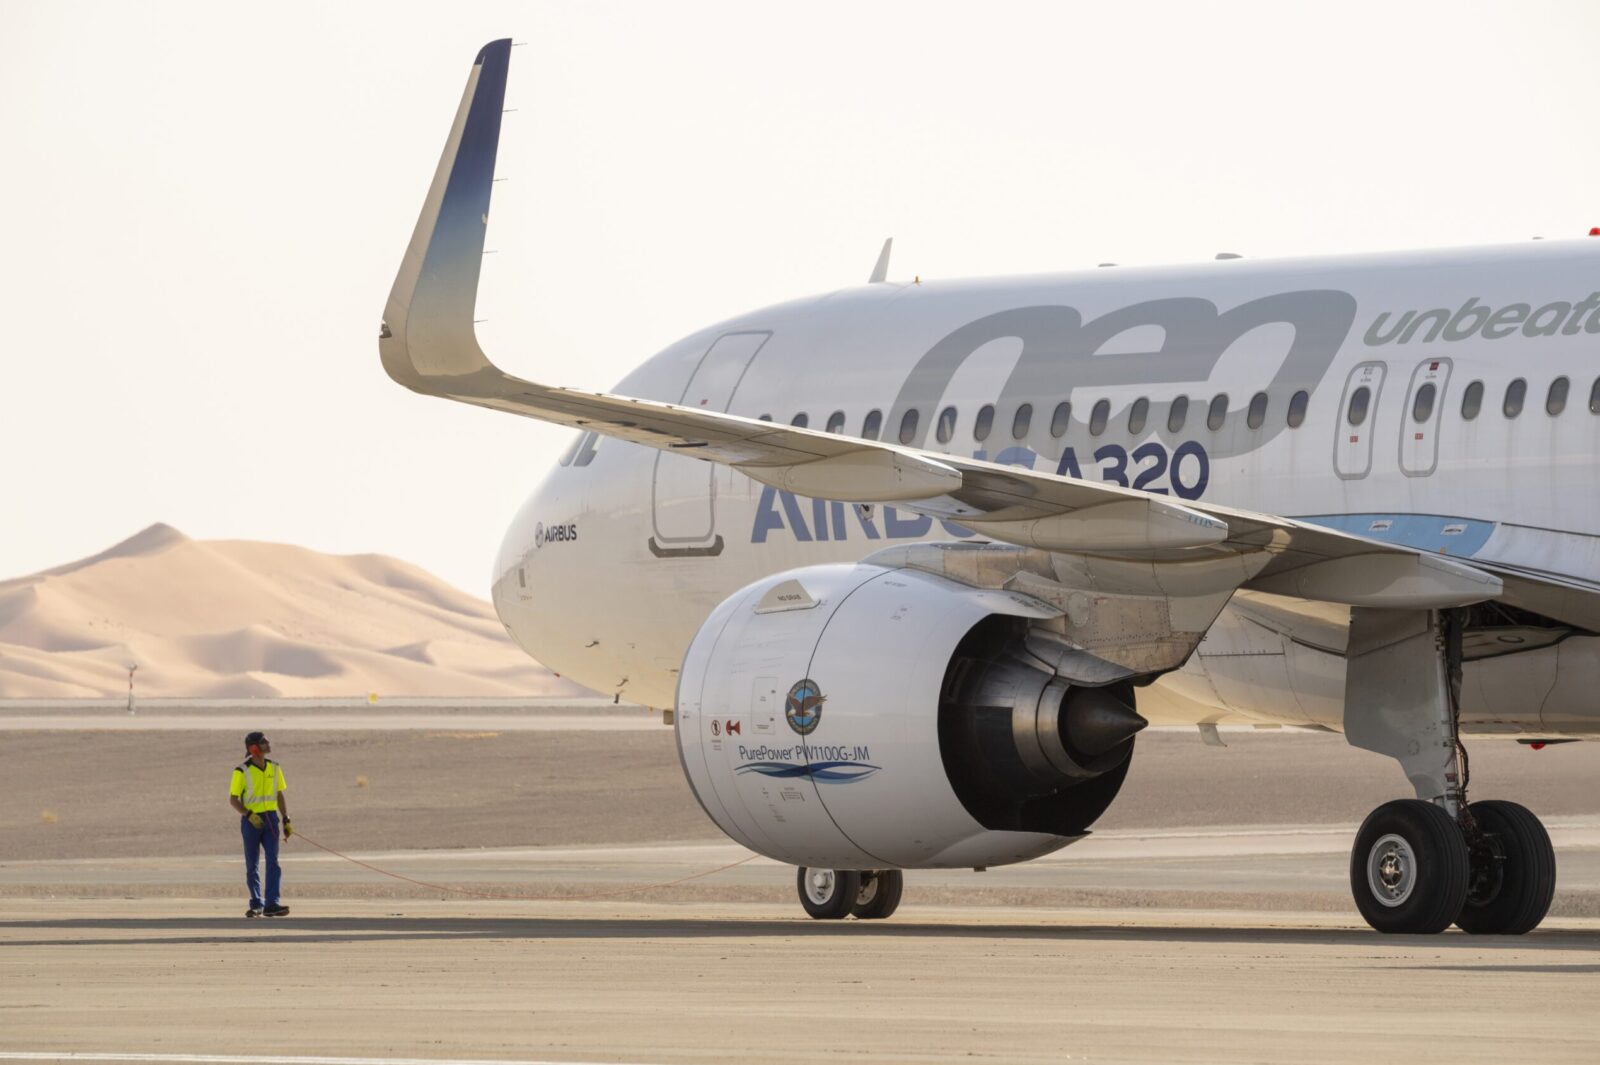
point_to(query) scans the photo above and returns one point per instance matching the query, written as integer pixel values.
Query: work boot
(254, 911)
(275, 911)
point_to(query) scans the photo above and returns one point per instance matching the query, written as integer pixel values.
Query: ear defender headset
(253, 742)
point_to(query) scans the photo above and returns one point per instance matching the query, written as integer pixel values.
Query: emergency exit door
(683, 489)
(1419, 427)
(1357, 421)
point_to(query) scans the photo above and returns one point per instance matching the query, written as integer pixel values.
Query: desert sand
(235, 618)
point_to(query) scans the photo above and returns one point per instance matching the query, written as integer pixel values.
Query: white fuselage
(620, 555)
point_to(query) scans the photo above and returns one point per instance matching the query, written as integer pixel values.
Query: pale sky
(208, 203)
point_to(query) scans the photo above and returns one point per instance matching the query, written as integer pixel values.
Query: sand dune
(239, 618)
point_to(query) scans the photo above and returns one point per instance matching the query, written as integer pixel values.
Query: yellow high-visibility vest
(258, 788)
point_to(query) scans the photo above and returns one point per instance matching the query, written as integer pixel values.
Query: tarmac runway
(719, 982)
(1254, 867)
(601, 963)
(1207, 921)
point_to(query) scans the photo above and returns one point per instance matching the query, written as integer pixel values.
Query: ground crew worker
(256, 791)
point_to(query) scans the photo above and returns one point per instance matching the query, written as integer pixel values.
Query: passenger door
(1419, 427)
(683, 491)
(1358, 412)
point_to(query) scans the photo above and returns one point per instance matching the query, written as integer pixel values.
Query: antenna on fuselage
(880, 273)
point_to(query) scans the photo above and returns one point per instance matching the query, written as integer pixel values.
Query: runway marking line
(272, 1059)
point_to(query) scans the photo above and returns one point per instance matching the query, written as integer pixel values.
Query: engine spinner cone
(1096, 720)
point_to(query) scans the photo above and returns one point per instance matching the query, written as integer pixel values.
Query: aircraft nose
(540, 593)
(512, 598)
(514, 579)
(537, 570)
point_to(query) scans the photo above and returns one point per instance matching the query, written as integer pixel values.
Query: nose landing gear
(832, 894)
(879, 895)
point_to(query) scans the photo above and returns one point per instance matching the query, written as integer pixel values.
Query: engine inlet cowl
(862, 717)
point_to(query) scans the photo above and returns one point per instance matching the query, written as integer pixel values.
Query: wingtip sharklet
(500, 46)
(427, 328)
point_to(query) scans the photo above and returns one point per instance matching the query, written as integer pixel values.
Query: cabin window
(908, 426)
(1218, 412)
(1472, 401)
(1556, 400)
(1594, 397)
(1256, 416)
(1099, 416)
(1359, 400)
(764, 418)
(1516, 392)
(1019, 424)
(947, 425)
(1422, 405)
(836, 422)
(1063, 418)
(985, 422)
(1297, 409)
(1138, 414)
(1178, 414)
(800, 421)
(872, 425)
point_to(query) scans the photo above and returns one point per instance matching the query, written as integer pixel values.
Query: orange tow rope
(524, 898)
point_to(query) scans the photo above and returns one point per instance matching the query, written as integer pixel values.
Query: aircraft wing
(428, 344)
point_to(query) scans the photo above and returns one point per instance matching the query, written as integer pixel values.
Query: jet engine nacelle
(862, 717)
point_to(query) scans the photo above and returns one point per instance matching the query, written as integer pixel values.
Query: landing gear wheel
(828, 894)
(1513, 871)
(879, 895)
(1409, 869)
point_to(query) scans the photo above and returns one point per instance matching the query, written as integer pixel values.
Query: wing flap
(1389, 580)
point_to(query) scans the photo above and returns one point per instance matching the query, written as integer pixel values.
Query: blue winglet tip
(500, 47)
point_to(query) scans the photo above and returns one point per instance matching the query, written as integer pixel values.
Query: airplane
(910, 564)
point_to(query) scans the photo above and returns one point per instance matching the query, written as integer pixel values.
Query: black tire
(1408, 868)
(879, 895)
(1513, 872)
(830, 893)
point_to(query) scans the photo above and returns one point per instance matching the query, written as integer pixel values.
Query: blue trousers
(255, 841)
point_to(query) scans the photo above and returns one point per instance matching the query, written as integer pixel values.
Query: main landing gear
(1420, 865)
(831, 894)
